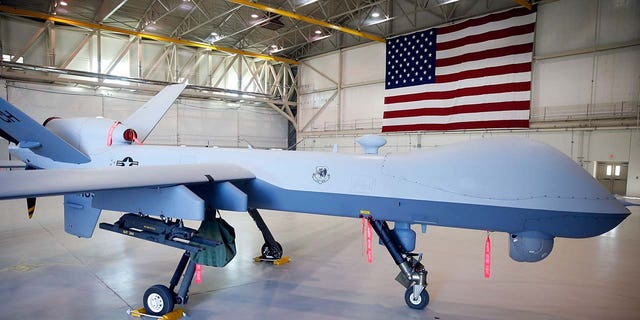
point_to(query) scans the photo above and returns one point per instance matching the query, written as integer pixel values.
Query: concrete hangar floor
(47, 274)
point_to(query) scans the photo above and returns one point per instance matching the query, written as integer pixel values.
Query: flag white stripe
(456, 118)
(466, 83)
(486, 63)
(485, 45)
(460, 101)
(487, 27)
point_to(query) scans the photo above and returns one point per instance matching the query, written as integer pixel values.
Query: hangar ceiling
(291, 29)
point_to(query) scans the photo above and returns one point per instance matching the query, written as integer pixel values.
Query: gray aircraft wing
(176, 191)
(36, 183)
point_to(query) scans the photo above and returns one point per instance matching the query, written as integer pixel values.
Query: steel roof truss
(125, 49)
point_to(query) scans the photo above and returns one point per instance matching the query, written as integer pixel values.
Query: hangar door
(613, 176)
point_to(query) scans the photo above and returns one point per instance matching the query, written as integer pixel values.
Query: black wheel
(269, 253)
(158, 300)
(419, 302)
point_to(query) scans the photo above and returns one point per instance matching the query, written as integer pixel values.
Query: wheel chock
(276, 262)
(142, 314)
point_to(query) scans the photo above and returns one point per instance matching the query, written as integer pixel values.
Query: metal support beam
(226, 69)
(99, 50)
(308, 20)
(123, 52)
(324, 106)
(255, 75)
(94, 26)
(224, 14)
(51, 50)
(75, 52)
(159, 59)
(319, 72)
(197, 57)
(107, 8)
(284, 114)
(31, 41)
(213, 71)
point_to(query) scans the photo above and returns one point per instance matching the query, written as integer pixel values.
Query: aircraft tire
(268, 254)
(158, 300)
(420, 302)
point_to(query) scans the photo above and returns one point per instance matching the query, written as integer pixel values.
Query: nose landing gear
(413, 275)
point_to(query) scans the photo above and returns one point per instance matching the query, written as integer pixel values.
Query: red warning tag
(362, 241)
(110, 133)
(367, 233)
(487, 258)
(198, 275)
(369, 242)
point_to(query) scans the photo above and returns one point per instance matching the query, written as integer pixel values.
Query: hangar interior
(270, 80)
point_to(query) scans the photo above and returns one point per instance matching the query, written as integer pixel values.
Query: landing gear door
(80, 217)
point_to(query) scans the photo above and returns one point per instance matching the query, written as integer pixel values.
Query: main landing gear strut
(413, 275)
(271, 249)
(159, 299)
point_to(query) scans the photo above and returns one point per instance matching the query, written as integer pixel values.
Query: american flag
(474, 74)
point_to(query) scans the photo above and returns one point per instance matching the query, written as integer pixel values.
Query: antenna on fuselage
(371, 143)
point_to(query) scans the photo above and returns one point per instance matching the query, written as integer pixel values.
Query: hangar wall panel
(313, 116)
(633, 176)
(188, 121)
(311, 80)
(618, 76)
(562, 82)
(565, 25)
(18, 34)
(363, 64)
(358, 106)
(587, 64)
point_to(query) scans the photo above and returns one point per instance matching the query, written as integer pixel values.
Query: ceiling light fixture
(443, 2)
(318, 32)
(63, 3)
(254, 15)
(375, 14)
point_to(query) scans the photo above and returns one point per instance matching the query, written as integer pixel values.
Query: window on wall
(613, 170)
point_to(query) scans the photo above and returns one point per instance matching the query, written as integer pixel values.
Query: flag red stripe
(462, 92)
(484, 72)
(469, 108)
(494, 124)
(486, 19)
(486, 54)
(487, 36)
